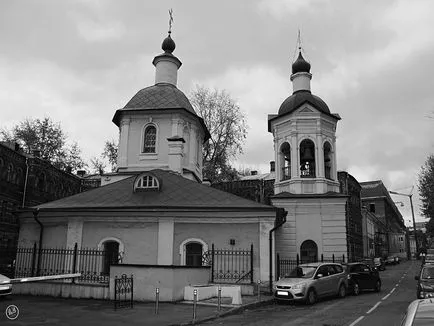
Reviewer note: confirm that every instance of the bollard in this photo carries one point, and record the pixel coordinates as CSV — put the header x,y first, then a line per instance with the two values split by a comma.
x,y
194,304
219,298
157,299
259,290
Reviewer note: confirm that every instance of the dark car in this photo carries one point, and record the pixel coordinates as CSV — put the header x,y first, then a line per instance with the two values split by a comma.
x,y
362,277
425,282
370,262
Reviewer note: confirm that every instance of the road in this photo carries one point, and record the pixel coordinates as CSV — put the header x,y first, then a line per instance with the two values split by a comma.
x,y
367,309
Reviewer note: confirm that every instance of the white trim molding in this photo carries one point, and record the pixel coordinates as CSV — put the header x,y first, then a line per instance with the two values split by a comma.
x,y
187,241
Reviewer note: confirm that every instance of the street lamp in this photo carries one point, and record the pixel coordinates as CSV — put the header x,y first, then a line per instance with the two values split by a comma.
x,y
412,214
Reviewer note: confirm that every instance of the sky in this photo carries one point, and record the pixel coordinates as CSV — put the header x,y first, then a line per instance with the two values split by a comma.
x,y
77,62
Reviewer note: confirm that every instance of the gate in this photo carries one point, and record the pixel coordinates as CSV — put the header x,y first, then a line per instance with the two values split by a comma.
x,y
124,292
230,265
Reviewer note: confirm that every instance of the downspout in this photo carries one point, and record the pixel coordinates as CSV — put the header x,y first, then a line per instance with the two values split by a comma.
x,y
41,236
280,220
25,182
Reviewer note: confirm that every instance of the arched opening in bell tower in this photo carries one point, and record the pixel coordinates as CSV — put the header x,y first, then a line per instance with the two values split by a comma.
x,y
327,161
285,161
307,159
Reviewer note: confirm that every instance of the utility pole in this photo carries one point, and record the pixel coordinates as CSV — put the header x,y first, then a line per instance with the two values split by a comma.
x,y
412,214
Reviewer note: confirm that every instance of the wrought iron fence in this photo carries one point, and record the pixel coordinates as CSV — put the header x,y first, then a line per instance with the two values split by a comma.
x,y
230,265
93,264
124,288
285,265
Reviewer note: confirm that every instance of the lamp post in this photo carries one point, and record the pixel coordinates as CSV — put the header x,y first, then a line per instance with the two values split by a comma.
x,y
412,215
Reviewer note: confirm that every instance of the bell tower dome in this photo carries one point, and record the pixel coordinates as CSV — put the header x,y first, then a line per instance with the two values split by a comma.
x,y
304,133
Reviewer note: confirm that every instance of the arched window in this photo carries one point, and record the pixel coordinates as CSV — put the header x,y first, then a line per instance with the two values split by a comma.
x,y
20,176
10,173
192,252
147,181
308,252
307,159
327,160
285,161
150,139
41,182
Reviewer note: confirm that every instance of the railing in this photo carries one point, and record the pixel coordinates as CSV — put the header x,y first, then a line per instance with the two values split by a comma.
x,y
124,288
230,265
93,264
285,265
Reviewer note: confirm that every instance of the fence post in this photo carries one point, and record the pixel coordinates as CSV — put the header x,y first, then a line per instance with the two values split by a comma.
x,y
157,299
219,298
259,290
38,268
33,259
333,257
277,267
343,258
298,260
212,263
251,263
74,261
322,258
194,304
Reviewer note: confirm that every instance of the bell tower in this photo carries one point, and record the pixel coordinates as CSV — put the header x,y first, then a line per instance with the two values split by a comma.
x,y
304,133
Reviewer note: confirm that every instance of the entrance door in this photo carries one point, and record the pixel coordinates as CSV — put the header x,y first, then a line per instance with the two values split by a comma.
x,y
308,252
193,254
111,254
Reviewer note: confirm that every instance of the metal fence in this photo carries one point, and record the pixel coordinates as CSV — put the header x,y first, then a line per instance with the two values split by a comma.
x,y
93,264
124,288
285,265
230,265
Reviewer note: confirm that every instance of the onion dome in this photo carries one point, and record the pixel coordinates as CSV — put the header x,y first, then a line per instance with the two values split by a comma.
x,y
168,45
297,99
300,65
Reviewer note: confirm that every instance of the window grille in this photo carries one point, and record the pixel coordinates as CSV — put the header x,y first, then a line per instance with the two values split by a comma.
x,y
149,140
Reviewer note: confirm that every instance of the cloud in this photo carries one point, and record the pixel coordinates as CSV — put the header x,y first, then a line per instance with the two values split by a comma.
x,y
92,31
281,8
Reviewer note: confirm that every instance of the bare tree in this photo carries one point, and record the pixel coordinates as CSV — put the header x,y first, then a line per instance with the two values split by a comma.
x,y
228,128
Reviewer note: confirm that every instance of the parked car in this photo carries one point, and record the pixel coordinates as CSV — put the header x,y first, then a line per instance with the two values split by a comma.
x,y
5,289
361,277
370,262
420,313
390,260
425,282
379,263
308,282
397,261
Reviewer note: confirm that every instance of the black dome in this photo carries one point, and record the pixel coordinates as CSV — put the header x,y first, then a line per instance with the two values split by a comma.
x,y
300,65
168,45
298,98
160,96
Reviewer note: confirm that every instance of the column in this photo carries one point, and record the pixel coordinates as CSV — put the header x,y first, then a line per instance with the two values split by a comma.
x,y
123,143
166,229
264,252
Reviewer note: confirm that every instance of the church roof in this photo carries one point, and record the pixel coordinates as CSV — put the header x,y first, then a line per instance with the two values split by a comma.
x,y
160,96
175,192
372,189
297,99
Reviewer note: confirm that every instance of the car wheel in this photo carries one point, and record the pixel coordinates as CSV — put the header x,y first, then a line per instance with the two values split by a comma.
x,y
377,286
311,297
342,291
356,289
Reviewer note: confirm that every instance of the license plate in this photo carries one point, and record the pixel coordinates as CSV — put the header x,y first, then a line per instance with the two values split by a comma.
x,y
282,293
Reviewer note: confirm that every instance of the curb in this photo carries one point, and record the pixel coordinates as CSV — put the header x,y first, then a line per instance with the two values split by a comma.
x,y
229,312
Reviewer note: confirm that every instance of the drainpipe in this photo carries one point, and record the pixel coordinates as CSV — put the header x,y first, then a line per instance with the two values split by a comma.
x,y
280,220
25,182
41,236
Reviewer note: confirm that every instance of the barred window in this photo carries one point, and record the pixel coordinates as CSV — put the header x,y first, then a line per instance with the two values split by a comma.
x,y
149,139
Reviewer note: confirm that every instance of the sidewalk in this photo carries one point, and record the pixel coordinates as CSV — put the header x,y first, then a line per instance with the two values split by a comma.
x,y
35,310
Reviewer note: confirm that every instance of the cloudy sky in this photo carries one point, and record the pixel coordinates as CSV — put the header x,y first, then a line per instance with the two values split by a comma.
x,y
77,62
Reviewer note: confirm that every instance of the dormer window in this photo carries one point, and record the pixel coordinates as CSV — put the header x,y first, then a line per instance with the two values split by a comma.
x,y
147,181
149,139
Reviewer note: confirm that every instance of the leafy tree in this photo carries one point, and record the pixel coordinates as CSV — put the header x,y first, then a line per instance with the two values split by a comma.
x,y
97,165
47,137
111,153
426,191
228,128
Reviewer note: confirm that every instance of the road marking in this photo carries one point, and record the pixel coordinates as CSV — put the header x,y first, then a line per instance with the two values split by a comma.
x,y
392,290
384,298
396,284
374,307
356,321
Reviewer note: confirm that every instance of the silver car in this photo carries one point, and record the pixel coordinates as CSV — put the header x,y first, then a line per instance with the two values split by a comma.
x,y
5,289
308,282
420,313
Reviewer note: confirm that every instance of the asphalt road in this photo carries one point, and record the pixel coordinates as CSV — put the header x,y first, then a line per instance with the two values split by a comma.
x,y
367,309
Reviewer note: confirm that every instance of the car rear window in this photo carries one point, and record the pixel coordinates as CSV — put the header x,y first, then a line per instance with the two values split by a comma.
x,y
427,272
